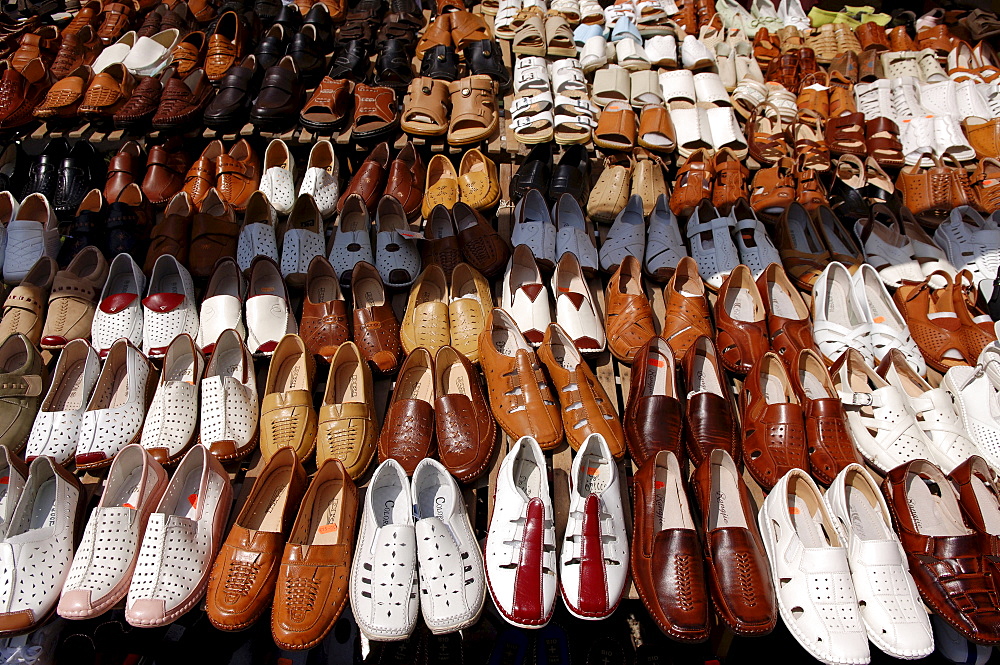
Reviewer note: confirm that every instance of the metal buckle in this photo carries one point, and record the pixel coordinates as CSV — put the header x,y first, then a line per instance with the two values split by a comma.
x,y
861,399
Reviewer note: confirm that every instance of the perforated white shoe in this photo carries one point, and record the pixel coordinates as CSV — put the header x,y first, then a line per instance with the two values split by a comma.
x,y
169,308
172,421
976,392
322,177
571,233
230,408
119,311
257,234
222,306
838,320
971,242
278,180
888,329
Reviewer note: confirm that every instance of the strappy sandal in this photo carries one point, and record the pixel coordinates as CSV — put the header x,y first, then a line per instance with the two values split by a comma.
x,y
782,99
530,73
841,95
374,111
574,120
985,183
438,33
616,128
809,143
474,115
425,107
568,9
747,96
591,12
558,37
823,43
845,134
534,128
987,63
468,28
814,94
530,37
883,142
766,133
790,39
764,49
567,78
503,22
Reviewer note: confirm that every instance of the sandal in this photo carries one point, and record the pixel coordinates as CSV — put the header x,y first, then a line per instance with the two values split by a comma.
x,y
656,132
530,37
616,129
611,84
631,55
568,9
531,73
782,99
374,111
646,88
986,185
883,142
474,115
438,33
468,28
766,134
425,107
567,78
503,22
814,95
329,105
531,129
845,134
574,121
558,37
591,12
809,143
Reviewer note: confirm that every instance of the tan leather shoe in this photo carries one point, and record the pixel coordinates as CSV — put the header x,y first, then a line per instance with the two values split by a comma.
x,y
408,428
237,174
469,305
73,299
425,322
242,581
520,393
313,579
287,417
465,429
687,316
24,309
628,316
348,427
478,182
586,407
610,194
442,185
375,328
325,325
200,176
788,323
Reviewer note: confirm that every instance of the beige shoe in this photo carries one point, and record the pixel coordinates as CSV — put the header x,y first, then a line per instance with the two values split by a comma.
x,y
470,304
24,308
441,186
348,427
648,181
610,194
478,182
73,299
287,416
425,322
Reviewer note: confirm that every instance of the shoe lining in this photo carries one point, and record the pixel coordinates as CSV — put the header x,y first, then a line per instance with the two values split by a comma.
x,y
867,522
416,382
435,496
670,503
882,311
182,369
389,503
802,238
659,380
431,291
123,282
292,374
368,293
595,474
268,510
228,361
507,342
170,283
782,304
346,383
704,375
808,517
327,507
837,309
773,382
119,387
742,305
988,505
527,476
126,493
323,288
455,380
186,500
43,508
932,515
727,509
69,393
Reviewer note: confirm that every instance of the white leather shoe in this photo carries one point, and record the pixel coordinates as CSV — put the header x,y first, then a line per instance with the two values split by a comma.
x,y
839,323
117,409
172,420
970,241
169,308
303,238
766,15
258,236
182,537
695,55
664,245
888,250
34,233
595,545
16,473
571,233
37,547
888,327
533,228
791,13
322,177
385,591
396,255
575,310
222,307
452,577
56,429
891,609
521,543
811,573
352,241
753,243
119,311
268,313
151,55
102,567
711,242
114,53
976,392
523,295
230,408
278,181
627,236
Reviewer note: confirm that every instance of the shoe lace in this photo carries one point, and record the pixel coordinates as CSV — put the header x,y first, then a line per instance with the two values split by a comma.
x,y
240,579
300,596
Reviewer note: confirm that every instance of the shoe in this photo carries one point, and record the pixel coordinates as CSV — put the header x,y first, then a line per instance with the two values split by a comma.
x,y
257,233
322,178
278,179
182,537
119,310
628,315
34,233
384,584
102,567
664,245
348,428
171,425
396,256
302,239
77,177
287,417
407,434
169,307
711,242
23,370
268,312
56,427
25,304
38,545
440,246
523,294
172,235
787,315
887,249
971,243
522,530
533,227
244,576
687,311
888,329
464,427
891,609
741,321
571,234
652,419
839,323
283,90
375,328
324,325
425,321
755,247
230,108
352,241
803,545
222,304
709,422
17,474
627,236
229,405
480,244
595,545
471,302
575,311
73,299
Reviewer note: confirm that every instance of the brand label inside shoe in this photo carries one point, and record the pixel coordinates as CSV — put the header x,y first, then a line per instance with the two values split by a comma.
x,y
723,514
387,512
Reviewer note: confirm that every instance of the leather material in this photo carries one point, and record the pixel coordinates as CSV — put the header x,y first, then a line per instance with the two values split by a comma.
x,y
329,105
348,431
124,169
741,340
280,97
375,328
405,181
788,336
709,422
287,416
629,317
231,104
165,172
687,316
652,422
407,434
465,429
369,179
480,243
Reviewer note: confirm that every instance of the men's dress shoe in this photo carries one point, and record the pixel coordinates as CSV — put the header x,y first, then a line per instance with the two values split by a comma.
x,y
222,304
741,319
183,101
302,239
425,321
406,178
22,90
571,175
950,562
107,94
471,302
273,45
245,573
75,50
73,299
77,176
138,111
375,328
128,224
166,167
32,234
803,546
23,372
521,396
189,53
201,176
789,327
119,309
56,427
521,543
229,405
87,228
592,564
231,105
114,20
977,487
653,412
172,234
171,425
319,17
407,434
237,174
308,54
287,417
125,167
534,172
628,314
893,614
169,308
708,415
739,580
350,61
268,312
38,546
802,249
214,234
43,173
666,555
25,305
687,307
464,427
775,439
586,407
225,46
348,428
481,245
322,178
452,576
369,179
257,233
324,325
102,568
182,536
281,96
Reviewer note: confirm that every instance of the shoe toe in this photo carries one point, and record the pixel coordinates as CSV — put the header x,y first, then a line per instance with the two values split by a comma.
x,y
146,612
75,603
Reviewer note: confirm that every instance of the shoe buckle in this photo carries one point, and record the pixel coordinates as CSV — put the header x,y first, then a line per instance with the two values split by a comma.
x,y
859,399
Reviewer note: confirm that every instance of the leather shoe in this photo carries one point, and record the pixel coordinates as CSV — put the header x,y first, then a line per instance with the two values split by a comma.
x,y
280,98
231,105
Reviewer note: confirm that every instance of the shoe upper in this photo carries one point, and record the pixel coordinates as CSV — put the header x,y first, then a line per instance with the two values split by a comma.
x,y
888,329
571,233
229,405
278,180
626,237
396,255
33,233
838,320
524,296
169,308
533,227
172,419
268,313
302,240
970,241
322,177
664,244
257,235
755,247
222,306
119,311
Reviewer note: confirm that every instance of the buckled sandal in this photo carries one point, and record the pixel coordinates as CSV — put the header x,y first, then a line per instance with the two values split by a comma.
x,y
425,108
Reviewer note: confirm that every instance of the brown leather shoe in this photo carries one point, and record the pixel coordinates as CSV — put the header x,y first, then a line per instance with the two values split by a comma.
x,y
225,46
471,302
666,554
741,318
324,325
708,414
329,107
406,180
729,182
788,323
125,167
183,100
201,176
520,394
368,180
693,183
407,434
63,99
287,416
481,245
242,582
348,426
73,299
115,19
172,234
440,246
945,556
87,16
977,486
139,110
189,53
214,234
375,328
237,174
653,412
801,247
108,93
465,429
20,92
75,50
166,167
686,304
739,578
311,590
774,436
586,407
24,308
628,315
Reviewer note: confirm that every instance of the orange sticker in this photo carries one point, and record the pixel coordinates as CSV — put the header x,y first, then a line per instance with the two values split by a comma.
x,y
592,470
5,480
793,510
656,362
659,484
128,505
193,500
879,319
327,528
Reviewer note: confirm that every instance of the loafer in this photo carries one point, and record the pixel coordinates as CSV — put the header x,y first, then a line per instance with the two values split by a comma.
x,y
229,404
348,428
77,177
258,235
407,434
183,101
119,308
288,419
172,419
43,173
231,105
169,308
166,167
222,304
73,299
22,369
628,316
237,174
324,324
87,228
653,413
214,234
375,328
302,239
709,422
172,234
281,96
278,179
225,46
268,312
24,308
32,234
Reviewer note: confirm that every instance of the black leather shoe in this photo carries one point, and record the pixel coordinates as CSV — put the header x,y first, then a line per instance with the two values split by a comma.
x,y
572,175
290,18
319,16
401,27
231,104
281,97
351,62
268,9
272,47
534,172
87,228
43,175
13,169
484,57
440,62
404,7
127,228
77,177
392,68
309,54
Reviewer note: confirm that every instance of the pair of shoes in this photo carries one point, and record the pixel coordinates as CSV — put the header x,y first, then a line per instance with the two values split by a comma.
x,y
550,236
460,233
321,178
438,315
235,174
395,253
475,183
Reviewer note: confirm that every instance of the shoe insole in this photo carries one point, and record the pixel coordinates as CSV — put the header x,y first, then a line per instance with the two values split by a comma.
x,y
688,286
15,360
124,282
456,380
727,509
837,244
866,518
742,306
323,289
227,285
43,508
704,376
658,378
126,493
183,370
393,221
568,358
292,374
435,499
368,293
268,283
416,382
595,474
170,284
802,239
390,505
347,383
882,311
186,501
229,362
354,221
325,514
528,477
507,342
439,226
69,394
670,504
931,514
813,385
837,308
465,289
772,383
430,291
782,304
988,504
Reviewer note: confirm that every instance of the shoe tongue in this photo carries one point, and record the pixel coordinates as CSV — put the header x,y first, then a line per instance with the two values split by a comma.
x,y
163,302
117,302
